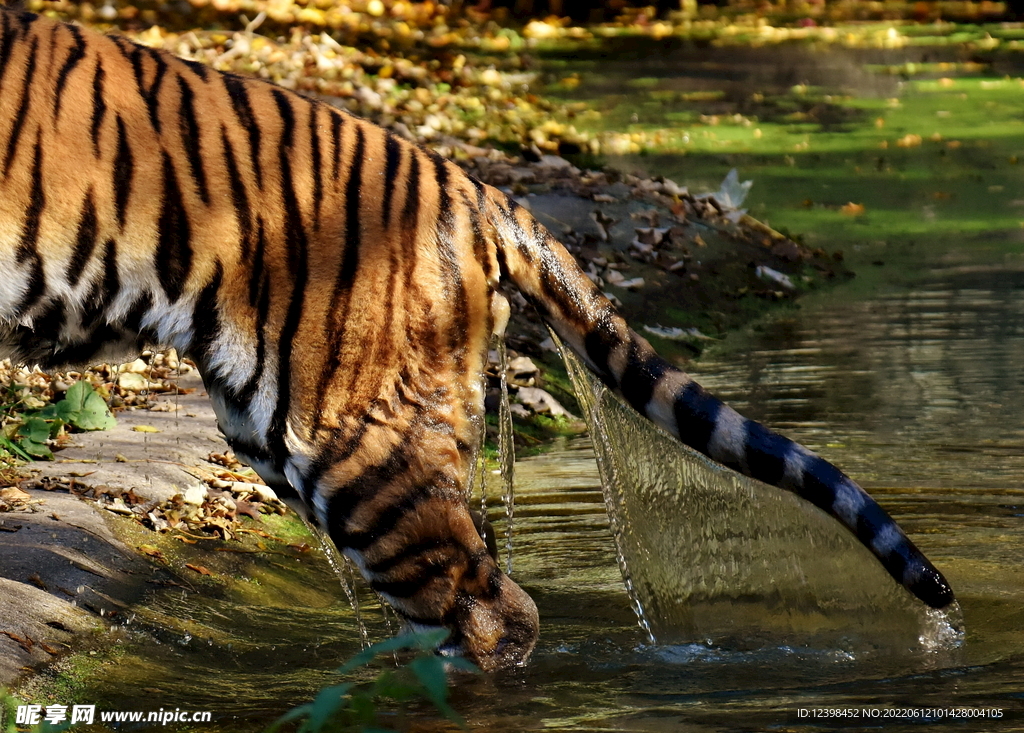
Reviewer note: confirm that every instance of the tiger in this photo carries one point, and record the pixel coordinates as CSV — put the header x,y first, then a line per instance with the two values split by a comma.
x,y
337,287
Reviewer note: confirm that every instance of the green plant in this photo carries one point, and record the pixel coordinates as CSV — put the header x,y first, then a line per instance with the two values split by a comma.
x,y
9,717
357,706
82,408
8,708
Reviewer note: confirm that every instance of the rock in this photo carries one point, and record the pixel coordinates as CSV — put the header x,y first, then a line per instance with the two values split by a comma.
x,y
196,495
542,402
774,276
49,567
614,277
518,410
522,367
651,235
635,284
554,163
37,627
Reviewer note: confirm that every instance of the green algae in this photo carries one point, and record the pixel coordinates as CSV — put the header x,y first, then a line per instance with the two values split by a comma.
x,y
925,158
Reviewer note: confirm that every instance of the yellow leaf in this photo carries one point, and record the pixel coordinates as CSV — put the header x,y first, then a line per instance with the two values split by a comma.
x,y
14,494
145,429
852,209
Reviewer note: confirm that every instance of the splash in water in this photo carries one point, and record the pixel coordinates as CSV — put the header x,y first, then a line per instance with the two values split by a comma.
x,y
712,556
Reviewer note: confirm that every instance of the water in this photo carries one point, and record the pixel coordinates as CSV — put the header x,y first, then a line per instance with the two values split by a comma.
x,y
915,391
919,394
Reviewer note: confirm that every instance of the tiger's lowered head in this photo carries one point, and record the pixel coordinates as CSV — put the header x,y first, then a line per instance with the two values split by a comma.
x,y
336,286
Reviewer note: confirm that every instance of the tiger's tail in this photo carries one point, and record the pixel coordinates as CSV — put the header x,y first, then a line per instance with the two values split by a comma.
x,y
584,318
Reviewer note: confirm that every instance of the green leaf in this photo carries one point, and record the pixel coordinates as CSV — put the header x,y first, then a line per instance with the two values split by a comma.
x,y
326,705
357,706
85,409
49,413
37,450
11,447
421,640
35,430
430,671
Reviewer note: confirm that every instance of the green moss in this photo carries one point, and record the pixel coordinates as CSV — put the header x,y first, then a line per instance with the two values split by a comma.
x,y
270,559
66,679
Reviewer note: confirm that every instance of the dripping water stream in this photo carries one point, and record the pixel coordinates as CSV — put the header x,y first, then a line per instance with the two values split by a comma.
x,y
347,578
506,454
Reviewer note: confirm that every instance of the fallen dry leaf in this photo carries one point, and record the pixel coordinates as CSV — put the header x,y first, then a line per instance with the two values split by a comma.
x,y
247,508
14,495
852,209
152,551
198,568
23,641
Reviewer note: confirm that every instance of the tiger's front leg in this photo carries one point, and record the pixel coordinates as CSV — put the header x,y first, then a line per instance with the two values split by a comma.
x,y
390,491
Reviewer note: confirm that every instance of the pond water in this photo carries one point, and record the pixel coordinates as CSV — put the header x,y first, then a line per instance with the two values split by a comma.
x,y
917,392
912,381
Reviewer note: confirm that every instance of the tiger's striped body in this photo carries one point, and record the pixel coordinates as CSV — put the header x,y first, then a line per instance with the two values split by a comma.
x,y
336,287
